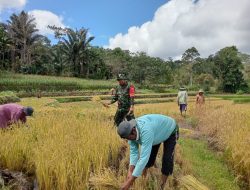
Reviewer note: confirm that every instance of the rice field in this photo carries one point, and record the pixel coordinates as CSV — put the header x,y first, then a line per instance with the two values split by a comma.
x,y
33,83
70,146
227,126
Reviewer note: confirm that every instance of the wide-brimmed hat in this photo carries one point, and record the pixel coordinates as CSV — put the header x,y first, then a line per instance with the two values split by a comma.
x,y
122,76
182,88
125,128
201,91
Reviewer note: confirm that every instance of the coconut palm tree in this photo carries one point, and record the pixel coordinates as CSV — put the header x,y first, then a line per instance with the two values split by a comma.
x,y
23,32
75,45
5,44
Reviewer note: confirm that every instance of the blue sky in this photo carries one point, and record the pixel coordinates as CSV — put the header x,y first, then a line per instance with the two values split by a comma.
x,y
104,18
160,28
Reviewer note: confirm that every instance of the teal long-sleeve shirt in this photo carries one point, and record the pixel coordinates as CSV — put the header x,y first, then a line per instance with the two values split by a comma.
x,y
153,129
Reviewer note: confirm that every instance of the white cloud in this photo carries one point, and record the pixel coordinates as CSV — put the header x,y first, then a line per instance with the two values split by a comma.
x,y
6,4
209,25
45,18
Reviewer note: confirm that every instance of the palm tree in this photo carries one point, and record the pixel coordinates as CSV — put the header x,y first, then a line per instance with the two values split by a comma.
x,y
22,30
75,47
58,59
5,44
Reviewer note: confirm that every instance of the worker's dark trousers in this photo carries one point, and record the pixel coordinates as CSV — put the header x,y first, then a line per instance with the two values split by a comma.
x,y
168,155
121,115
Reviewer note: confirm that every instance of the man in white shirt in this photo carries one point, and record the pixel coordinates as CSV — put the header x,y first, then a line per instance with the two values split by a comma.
x,y
182,100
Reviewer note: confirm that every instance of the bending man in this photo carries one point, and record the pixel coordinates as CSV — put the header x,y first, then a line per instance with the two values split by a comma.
x,y
149,131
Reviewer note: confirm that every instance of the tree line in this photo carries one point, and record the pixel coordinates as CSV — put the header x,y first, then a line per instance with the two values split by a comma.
x,y
24,50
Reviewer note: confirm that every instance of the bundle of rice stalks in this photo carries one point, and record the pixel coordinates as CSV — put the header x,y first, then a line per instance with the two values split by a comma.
x,y
189,182
96,99
105,179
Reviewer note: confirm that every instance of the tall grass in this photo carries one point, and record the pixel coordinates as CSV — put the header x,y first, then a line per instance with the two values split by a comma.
x,y
61,146
19,82
228,127
66,143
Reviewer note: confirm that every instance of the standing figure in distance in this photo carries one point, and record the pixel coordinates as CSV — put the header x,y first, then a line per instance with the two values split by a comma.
x,y
200,98
182,100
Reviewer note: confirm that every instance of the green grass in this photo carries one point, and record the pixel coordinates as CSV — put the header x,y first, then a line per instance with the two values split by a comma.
x,y
230,97
8,97
208,167
239,99
73,99
27,83
153,101
89,98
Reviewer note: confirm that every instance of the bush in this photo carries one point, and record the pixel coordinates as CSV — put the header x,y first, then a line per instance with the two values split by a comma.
x,y
8,97
240,92
205,81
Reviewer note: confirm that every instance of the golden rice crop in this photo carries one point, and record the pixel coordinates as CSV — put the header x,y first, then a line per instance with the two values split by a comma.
x,y
61,145
96,99
105,179
228,127
66,144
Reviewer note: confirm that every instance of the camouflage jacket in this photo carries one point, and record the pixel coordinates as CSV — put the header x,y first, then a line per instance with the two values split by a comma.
x,y
124,95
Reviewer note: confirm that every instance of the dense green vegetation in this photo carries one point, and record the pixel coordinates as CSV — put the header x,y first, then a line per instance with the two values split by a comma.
x,y
23,50
235,98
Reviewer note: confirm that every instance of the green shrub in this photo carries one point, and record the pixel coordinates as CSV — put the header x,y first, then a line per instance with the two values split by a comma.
x,y
240,92
8,97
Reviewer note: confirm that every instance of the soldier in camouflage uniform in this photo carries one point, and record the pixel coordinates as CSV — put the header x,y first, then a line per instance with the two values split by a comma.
x,y
124,95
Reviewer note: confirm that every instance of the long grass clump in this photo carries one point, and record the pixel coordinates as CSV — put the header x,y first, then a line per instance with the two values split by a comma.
x,y
227,127
61,146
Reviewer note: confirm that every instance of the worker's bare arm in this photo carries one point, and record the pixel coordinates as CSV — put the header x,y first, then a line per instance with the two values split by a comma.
x,y
126,185
130,171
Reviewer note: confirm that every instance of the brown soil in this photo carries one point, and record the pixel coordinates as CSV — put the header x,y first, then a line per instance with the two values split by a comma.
x,y
17,180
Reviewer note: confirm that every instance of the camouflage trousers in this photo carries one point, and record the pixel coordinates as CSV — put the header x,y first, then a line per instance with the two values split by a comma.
x,y
121,115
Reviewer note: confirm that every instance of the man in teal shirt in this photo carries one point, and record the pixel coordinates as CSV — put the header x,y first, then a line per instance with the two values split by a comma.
x,y
149,131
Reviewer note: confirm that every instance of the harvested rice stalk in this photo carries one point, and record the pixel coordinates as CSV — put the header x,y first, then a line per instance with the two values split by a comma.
x,y
99,100
104,179
96,99
189,182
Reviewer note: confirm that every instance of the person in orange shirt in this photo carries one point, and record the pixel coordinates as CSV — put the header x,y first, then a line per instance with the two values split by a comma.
x,y
200,98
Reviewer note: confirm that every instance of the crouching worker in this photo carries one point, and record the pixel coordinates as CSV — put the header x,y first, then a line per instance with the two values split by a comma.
x,y
149,131
13,113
